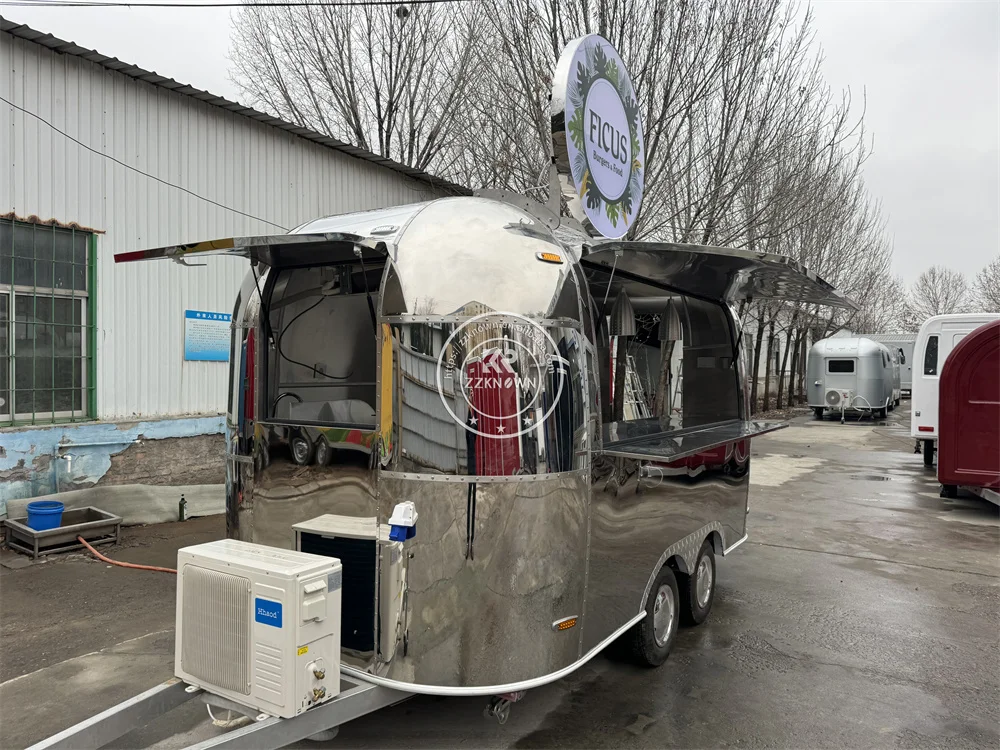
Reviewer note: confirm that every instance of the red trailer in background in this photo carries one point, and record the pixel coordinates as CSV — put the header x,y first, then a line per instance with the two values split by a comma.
x,y
969,430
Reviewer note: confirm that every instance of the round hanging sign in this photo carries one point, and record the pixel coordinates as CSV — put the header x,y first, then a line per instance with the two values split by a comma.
x,y
597,137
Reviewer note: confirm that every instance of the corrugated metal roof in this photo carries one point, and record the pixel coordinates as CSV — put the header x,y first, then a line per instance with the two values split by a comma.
x,y
134,71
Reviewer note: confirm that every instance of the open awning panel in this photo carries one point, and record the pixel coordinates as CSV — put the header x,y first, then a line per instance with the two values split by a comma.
x,y
274,250
715,273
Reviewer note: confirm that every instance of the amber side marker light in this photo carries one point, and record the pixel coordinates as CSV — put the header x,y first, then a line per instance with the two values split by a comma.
x,y
564,624
549,257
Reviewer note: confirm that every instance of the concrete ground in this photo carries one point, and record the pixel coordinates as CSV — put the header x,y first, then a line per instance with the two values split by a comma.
x,y
863,612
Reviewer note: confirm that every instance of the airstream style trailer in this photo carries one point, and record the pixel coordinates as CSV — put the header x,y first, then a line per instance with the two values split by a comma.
x,y
935,341
852,375
565,418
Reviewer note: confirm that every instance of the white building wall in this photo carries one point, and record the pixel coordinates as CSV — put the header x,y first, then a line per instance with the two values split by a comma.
x,y
278,179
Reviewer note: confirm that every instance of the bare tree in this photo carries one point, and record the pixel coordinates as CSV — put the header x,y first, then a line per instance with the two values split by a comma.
x,y
390,80
937,291
746,144
986,287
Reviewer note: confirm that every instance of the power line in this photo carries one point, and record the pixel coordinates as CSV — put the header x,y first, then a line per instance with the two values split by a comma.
x,y
139,171
251,4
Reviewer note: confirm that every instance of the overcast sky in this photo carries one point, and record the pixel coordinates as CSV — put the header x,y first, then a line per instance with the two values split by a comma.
x,y
930,72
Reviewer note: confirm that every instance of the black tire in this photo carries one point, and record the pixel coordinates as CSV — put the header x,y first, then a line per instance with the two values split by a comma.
x,y
818,412
881,413
949,491
647,650
302,450
898,400
694,606
323,452
928,447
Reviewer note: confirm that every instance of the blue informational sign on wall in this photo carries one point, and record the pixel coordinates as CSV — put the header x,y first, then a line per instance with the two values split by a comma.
x,y
206,336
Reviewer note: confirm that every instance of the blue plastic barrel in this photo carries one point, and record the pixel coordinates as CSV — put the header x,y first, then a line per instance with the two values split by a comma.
x,y
45,514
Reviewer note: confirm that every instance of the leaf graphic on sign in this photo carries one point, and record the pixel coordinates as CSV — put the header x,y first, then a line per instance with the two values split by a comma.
x,y
611,209
576,129
612,73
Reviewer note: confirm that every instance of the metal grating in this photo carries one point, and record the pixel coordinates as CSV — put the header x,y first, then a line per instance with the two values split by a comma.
x,y
359,560
216,622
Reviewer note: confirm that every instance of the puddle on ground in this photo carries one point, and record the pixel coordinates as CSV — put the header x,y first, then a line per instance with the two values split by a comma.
x,y
871,477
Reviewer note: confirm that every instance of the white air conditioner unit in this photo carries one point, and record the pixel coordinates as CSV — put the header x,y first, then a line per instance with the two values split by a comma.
x,y
259,625
838,398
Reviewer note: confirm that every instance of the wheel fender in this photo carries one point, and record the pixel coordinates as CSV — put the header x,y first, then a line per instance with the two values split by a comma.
x,y
685,554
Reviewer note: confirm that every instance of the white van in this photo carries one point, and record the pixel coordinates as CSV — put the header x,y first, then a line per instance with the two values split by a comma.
x,y
937,337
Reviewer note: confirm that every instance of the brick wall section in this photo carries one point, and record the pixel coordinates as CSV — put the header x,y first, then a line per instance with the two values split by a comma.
x,y
171,461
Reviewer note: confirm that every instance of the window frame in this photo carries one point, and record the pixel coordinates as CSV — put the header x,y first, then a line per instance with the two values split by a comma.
x,y
87,328
852,371
937,355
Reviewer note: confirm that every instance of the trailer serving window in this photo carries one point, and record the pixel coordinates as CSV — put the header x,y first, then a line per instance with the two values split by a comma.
x,y
678,370
840,366
488,395
322,361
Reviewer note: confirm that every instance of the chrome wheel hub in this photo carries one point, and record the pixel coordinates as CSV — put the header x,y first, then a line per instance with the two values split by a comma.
x,y
301,450
663,615
704,580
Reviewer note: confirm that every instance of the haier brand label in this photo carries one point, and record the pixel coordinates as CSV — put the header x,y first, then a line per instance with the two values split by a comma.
x,y
267,612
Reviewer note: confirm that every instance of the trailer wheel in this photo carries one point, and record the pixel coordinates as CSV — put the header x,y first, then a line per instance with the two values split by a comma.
x,y
323,452
881,413
818,412
654,634
698,589
949,491
302,450
928,453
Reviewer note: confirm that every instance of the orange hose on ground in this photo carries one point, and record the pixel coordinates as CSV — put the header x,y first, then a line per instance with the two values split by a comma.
x,y
99,556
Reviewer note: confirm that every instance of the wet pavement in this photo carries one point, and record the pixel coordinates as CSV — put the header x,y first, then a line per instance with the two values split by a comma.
x,y
864,611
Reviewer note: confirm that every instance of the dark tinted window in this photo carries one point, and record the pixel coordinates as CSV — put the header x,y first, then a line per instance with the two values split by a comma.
x,y
931,356
840,365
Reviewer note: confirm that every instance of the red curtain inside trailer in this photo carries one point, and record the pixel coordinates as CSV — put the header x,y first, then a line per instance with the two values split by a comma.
x,y
493,395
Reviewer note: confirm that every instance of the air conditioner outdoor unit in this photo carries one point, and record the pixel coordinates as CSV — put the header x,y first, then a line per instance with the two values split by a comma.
x,y
259,625
837,398
375,584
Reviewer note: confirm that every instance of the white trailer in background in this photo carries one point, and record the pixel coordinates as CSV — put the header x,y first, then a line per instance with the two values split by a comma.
x,y
902,345
937,337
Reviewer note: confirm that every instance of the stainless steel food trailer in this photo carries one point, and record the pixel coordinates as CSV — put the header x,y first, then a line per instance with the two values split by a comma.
x,y
856,375
523,442
458,354
568,416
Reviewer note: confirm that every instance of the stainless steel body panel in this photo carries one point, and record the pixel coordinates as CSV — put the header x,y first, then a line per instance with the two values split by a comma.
x,y
640,518
545,513
486,580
